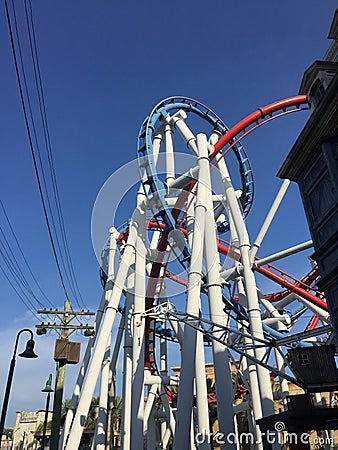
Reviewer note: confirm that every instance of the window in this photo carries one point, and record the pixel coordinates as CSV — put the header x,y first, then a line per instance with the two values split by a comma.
x,y
317,92
303,359
322,197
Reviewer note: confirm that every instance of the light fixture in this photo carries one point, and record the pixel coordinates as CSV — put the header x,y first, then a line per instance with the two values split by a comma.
x,y
29,351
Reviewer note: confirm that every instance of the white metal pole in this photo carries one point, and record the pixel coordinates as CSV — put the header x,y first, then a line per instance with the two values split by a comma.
x,y
251,291
323,315
169,153
112,382
99,439
249,369
252,377
168,411
267,222
223,379
283,253
98,354
148,407
178,122
185,392
137,406
126,423
250,286
203,425
86,358
201,388
284,386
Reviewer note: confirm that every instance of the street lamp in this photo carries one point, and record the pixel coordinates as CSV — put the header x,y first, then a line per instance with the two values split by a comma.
x,y
28,353
48,389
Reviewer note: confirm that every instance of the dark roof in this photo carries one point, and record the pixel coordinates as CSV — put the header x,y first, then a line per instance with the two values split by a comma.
x,y
311,73
322,123
333,33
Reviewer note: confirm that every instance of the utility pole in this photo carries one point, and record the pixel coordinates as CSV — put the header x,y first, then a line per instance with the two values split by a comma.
x,y
64,329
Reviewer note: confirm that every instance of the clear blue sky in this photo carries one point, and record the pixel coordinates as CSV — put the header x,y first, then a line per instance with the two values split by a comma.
x,y
104,65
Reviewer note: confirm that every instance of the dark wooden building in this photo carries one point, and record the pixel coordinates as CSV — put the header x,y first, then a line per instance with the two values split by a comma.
x,y
313,164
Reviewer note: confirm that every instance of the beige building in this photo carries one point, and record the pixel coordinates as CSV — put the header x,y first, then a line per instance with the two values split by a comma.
x,y
25,428
6,443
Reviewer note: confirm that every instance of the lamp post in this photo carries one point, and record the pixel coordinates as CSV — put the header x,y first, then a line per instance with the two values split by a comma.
x,y
48,389
28,353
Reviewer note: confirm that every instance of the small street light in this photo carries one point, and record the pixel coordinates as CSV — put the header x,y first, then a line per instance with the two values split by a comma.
x,y
28,353
48,389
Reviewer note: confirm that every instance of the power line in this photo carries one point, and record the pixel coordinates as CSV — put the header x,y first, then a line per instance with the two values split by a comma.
x,y
22,254
12,263
18,294
43,113
32,149
29,306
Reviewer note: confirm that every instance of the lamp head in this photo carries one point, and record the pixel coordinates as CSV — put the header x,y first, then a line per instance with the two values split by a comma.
x,y
48,387
29,352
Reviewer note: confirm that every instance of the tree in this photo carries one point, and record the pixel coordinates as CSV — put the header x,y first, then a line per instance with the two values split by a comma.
x,y
92,413
117,413
8,432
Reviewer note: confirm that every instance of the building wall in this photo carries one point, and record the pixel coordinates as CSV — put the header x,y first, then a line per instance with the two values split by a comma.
x,y
6,444
313,164
25,428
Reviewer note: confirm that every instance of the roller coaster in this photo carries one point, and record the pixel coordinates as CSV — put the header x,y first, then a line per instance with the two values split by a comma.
x,y
182,272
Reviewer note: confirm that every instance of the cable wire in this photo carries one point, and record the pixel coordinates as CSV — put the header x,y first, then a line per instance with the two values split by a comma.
x,y
32,149
43,114
19,287
12,263
22,254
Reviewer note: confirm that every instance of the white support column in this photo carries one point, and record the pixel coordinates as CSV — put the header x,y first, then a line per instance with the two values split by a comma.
x,y
90,345
99,439
252,377
81,377
177,330
169,154
250,285
126,423
178,122
98,354
137,405
251,290
223,378
168,411
185,392
284,387
203,425
283,254
148,407
201,388
249,369
323,315
267,222
112,381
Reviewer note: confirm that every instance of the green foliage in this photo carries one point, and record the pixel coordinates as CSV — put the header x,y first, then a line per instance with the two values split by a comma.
x,y
39,428
65,407
8,432
117,412
92,413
